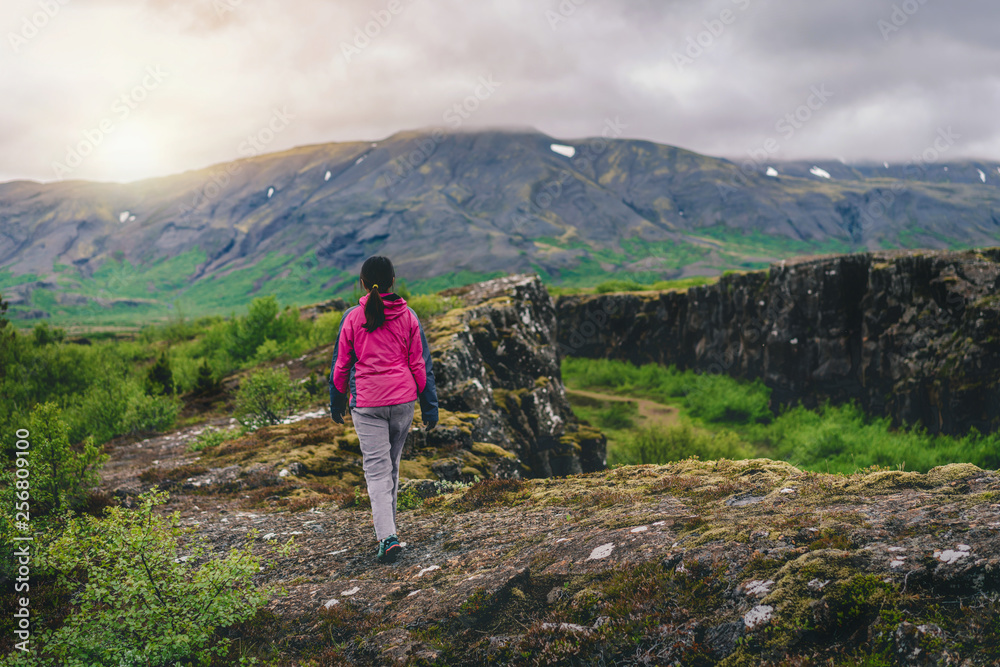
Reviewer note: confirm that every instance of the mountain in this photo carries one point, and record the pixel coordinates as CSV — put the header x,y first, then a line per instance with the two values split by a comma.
x,y
451,208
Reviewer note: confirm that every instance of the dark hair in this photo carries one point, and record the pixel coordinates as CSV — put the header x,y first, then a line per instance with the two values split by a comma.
x,y
377,274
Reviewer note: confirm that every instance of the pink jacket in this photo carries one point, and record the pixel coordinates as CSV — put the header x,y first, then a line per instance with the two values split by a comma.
x,y
389,366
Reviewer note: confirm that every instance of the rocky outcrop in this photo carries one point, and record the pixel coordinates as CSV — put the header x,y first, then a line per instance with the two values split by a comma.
x,y
496,366
911,335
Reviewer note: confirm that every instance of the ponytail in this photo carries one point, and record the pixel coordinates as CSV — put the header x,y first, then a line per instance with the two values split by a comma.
x,y
374,310
374,272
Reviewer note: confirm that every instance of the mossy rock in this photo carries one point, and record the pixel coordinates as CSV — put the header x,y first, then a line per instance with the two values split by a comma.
x,y
491,450
791,596
509,399
887,481
416,469
952,472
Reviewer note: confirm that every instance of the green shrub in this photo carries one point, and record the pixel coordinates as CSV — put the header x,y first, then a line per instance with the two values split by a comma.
x,y
141,598
325,329
619,286
618,415
159,378
409,500
245,335
267,397
211,437
60,476
43,335
205,383
151,414
267,351
721,399
429,305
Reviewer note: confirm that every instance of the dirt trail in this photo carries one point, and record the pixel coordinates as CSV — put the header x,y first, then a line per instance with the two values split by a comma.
x,y
652,412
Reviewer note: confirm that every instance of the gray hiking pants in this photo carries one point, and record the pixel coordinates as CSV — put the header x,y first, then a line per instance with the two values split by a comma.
x,y
382,432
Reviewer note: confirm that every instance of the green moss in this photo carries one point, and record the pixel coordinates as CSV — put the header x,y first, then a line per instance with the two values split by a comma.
x,y
491,450
952,473
416,469
509,400
887,481
791,596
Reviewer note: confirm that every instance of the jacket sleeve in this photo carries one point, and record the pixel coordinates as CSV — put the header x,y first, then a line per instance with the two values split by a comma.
x,y
415,355
340,367
428,397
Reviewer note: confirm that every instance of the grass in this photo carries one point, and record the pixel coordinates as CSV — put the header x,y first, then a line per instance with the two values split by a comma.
x,y
166,285
725,418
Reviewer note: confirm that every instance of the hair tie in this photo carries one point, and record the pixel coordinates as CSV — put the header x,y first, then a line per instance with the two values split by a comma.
x,y
375,287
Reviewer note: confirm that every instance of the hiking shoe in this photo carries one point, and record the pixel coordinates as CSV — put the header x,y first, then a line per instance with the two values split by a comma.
x,y
389,550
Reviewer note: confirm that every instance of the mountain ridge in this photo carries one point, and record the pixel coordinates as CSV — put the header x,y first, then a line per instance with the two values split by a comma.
x,y
461,206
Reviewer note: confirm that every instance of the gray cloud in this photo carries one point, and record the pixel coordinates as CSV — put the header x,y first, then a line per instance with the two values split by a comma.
x,y
564,66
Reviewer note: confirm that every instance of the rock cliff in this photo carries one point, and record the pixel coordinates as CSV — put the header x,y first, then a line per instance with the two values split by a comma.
x,y
914,335
495,361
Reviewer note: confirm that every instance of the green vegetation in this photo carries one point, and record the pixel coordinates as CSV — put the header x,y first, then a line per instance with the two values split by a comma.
x,y
628,285
169,594
267,397
106,387
212,437
725,418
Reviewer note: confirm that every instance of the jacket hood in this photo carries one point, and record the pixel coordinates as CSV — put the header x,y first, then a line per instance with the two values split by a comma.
x,y
394,307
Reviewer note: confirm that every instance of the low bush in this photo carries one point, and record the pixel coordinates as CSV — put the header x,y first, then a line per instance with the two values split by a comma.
x,y
151,414
267,397
618,415
211,437
140,597
61,477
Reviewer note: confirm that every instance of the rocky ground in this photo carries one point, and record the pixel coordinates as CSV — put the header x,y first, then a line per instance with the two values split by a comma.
x,y
549,558
693,563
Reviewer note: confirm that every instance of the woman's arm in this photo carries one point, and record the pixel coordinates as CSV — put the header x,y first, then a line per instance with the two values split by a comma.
x,y
343,362
428,395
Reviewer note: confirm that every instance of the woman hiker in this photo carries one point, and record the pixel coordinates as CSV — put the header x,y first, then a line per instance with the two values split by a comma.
x,y
382,363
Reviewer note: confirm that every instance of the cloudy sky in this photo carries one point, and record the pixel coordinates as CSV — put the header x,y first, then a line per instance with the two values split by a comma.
x,y
125,89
